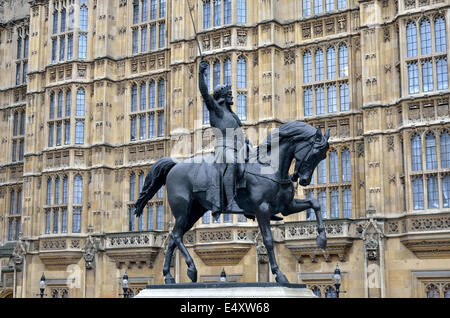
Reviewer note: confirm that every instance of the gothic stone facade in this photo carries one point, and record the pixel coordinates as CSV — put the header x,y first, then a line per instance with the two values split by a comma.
x,y
93,92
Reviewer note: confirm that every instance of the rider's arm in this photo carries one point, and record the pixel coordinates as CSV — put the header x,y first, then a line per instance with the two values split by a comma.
x,y
209,101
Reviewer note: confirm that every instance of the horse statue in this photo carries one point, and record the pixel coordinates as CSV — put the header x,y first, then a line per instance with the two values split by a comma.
x,y
264,194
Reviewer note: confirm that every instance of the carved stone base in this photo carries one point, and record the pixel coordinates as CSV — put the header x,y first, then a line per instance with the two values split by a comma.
x,y
214,255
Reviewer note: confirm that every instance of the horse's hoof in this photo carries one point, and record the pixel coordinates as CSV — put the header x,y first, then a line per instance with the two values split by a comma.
x,y
192,274
281,279
169,280
322,241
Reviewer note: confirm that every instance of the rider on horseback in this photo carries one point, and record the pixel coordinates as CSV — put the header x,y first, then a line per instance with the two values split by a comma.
x,y
230,141
229,138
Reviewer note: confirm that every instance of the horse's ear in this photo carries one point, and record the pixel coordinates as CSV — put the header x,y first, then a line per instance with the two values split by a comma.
x,y
327,134
318,132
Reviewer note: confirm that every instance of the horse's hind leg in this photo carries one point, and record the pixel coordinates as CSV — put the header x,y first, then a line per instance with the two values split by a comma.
x,y
184,221
166,269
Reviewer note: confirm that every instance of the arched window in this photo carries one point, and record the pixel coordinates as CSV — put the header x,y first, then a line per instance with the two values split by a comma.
x,y
413,78
49,191
79,132
444,139
63,20
153,7
141,181
446,191
82,45
227,72
19,202
322,172
226,11
333,161
241,11
433,291
320,100
411,39
144,13
331,97
427,76
132,187
441,73
68,102
432,192
217,12
206,14
83,17
143,96
317,6
447,291
341,4
334,204
133,128
329,5
331,63
60,104
307,101
418,193
216,74
134,98
12,199
346,166
330,292
241,73
306,8
161,93
162,8
347,203
151,94
80,107
430,151
15,123
78,190
343,61
162,35
150,218
71,19
322,198
307,67
242,107
142,126
440,35
56,191
425,37
52,105
65,193
151,125
416,153
159,217
344,97
318,56
55,22
135,11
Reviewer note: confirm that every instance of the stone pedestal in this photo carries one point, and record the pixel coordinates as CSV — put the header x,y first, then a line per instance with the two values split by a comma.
x,y
227,290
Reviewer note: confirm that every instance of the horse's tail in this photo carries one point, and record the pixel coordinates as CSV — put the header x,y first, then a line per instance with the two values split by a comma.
x,y
155,179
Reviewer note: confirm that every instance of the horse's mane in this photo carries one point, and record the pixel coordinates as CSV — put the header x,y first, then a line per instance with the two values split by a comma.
x,y
297,130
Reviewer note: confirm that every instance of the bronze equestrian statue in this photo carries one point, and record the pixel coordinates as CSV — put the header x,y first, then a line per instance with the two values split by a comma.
x,y
192,184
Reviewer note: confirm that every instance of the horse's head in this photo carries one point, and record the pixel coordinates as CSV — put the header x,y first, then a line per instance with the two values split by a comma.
x,y
308,156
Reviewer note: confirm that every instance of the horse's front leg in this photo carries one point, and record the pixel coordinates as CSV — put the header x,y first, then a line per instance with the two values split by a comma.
x,y
263,216
298,205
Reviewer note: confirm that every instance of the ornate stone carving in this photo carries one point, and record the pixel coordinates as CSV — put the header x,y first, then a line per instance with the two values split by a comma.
x,y
89,251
